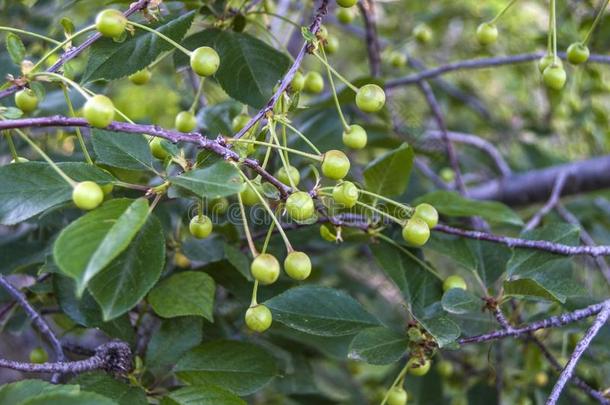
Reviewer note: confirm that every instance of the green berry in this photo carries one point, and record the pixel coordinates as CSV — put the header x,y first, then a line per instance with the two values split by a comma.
x,y
297,265
444,368
332,44
140,77
397,396
265,268
185,121
99,111
218,206
398,59
298,82
541,379
327,234
416,232
300,206
345,15
249,196
314,82
258,318
239,122
87,195
200,226
547,61
418,369
39,356
370,98
578,53
422,33
335,165
554,77
205,61
26,100
346,194
157,149
346,3
322,33
110,23
487,33
447,174
355,137
428,213
454,282
285,176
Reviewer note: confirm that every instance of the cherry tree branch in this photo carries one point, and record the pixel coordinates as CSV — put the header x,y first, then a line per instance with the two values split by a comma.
x,y
550,204
367,9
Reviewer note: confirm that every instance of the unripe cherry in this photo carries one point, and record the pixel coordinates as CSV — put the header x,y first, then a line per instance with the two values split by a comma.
x,y
314,83
298,82
26,100
99,111
346,194
205,61
346,3
300,206
157,149
265,268
397,396
185,121
335,165
454,282
578,53
110,23
487,33
297,265
416,232
554,77
370,98
292,173
140,77
201,226
428,213
355,137
87,195
258,318
418,369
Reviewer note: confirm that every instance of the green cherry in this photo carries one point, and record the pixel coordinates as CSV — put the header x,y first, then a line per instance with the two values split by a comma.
x,y
99,111
554,77
418,369
370,98
249,196
541,378
110,23
487,33
454,282
578,53
265,268
398,59
547,61
185,121
335,165
205,61
397,396
327,234
345,15
297,265
87,195
444,368
428,213
300,206
298,82
355,137
314,83
157,149
422,33
39,356
285,176
140,77
239,122
346,194
346,3
200,226
322,33
332,44
26,100
416,232
258,318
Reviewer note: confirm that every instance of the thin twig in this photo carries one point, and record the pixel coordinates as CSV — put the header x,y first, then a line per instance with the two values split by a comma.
x,y
367,9
550,204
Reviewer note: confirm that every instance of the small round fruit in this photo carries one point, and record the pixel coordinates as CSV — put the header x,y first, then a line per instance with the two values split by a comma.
x,y
249,196
454,282
416,232
99,111
541,379
157,149
422,33
578,53
297,265
314,82
298,82
355,137
332,44
181,260
185,121
140,77
285,176
345,15
265,268
300,206
445,368
370,98
258,318
418,369
447,174
346,194
205,61
428,213
398,59
239,122
487,33
547,61
26,100
87,195
327,234
110,23
201,226
335,165
397,396
39,356
346,3
554,77
322,32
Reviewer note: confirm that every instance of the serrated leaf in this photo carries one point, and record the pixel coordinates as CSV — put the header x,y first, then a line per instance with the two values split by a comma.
x,y
334,314
112,60
239,367
122,150
221,179
204,394
378,345
182,294
388,175
458,301
91,242
15,48
174,337
442,328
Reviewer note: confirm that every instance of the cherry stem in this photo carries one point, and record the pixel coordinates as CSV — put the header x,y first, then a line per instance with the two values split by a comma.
x,y
254,300
410,210
504,10
79,135
197,96
398,378
61,45
282,157
242,210
408,253
65,80
296,152
598,18
33,34
339,76
200,208
300,134
11,146
121,113
162,36
553,30
334,92
268,237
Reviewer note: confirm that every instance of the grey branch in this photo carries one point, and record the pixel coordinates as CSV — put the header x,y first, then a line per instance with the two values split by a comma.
x,y
367,9
550,204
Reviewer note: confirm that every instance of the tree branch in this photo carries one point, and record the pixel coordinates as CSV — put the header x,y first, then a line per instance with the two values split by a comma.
x,y
367,9
550,204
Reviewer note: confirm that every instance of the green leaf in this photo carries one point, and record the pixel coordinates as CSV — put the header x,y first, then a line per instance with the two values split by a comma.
x,y
452,204
112,60
204,394
91,242
320,311
239,367
79,398
528,288
15,48
122,150
458,301
128,278
553,280
218,180
103,384
249,68
174,337
17,392
186,293
27,189
442,329
388,175
378,345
